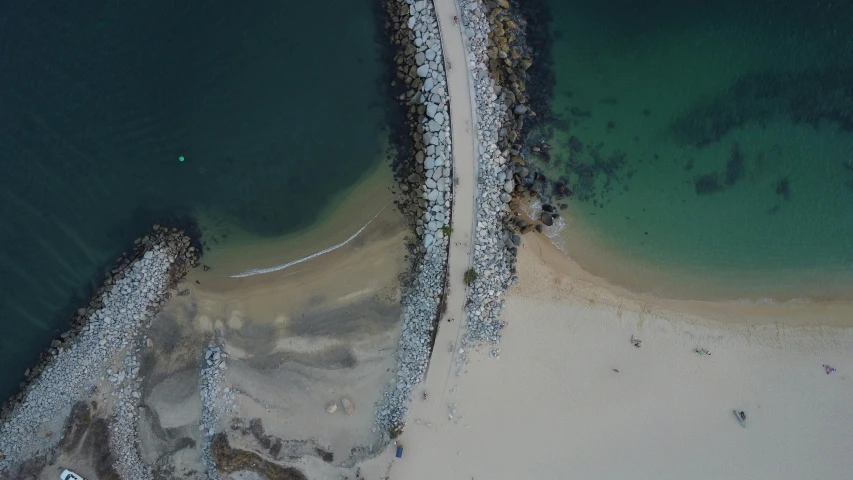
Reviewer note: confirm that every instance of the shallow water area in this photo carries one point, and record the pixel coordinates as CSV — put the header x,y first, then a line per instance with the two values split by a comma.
x,y
706,147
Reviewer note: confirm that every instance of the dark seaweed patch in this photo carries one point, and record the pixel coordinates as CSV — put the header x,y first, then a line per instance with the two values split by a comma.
x,y
707,184
783,188
735,166
807,96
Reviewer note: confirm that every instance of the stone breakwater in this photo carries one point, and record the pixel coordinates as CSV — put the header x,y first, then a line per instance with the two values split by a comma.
x,y
215,400
426,193
495,245
99,356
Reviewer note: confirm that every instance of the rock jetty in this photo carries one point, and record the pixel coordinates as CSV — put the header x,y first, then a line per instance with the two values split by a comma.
x,y
99,354
426,183
213,396
495,246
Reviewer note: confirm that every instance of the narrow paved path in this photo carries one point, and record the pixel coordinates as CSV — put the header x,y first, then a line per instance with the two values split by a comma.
x,y
463,130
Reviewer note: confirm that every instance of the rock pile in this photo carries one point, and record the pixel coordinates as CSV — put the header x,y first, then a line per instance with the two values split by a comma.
x,y
124,430
213,396
427,190
494,246
427,186
101,336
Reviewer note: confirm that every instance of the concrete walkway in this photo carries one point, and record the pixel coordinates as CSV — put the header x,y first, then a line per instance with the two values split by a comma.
x,y
463,130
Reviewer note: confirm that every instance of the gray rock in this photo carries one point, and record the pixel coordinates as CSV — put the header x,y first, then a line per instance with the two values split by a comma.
x,y
431,109
423,71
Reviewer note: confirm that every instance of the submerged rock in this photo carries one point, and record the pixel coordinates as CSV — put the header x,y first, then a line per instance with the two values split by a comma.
x,y
349,407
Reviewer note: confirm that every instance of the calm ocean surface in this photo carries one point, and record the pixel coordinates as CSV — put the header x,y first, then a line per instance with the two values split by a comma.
x,y
708,145
275,107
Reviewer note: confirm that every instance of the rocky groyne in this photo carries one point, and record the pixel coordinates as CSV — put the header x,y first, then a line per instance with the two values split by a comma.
x,y
500,113
426,187
215,399
99,357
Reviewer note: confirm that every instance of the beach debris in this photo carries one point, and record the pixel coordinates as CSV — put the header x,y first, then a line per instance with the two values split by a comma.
x,y
332,407
636,341
616,370
349,407
701,351
425,394
829,369
741,417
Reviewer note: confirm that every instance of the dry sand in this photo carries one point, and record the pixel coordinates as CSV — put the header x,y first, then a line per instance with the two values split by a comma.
x,y
552,406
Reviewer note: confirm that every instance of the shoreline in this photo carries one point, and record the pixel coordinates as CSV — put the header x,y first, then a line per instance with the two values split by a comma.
x,y
350,210
832,314
604,260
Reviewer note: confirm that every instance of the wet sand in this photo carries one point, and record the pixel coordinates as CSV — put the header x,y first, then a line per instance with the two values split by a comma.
x,y
575,279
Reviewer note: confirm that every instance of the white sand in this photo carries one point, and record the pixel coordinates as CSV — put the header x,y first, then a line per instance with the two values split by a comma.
x,y
552,407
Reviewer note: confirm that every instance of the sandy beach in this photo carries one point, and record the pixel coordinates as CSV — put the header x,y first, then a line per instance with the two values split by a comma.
x,y
553,406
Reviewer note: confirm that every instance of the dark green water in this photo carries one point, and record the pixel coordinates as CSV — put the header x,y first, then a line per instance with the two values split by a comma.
x,y
708,145
275,107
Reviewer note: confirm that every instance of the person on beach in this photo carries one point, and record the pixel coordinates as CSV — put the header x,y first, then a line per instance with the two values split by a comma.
x,y
829,369
742,415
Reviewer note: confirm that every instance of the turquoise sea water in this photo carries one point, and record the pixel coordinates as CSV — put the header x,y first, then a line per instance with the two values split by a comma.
x,y
275,107
708,146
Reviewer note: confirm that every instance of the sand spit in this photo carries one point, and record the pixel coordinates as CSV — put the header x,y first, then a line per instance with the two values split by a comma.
x,y
97,360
